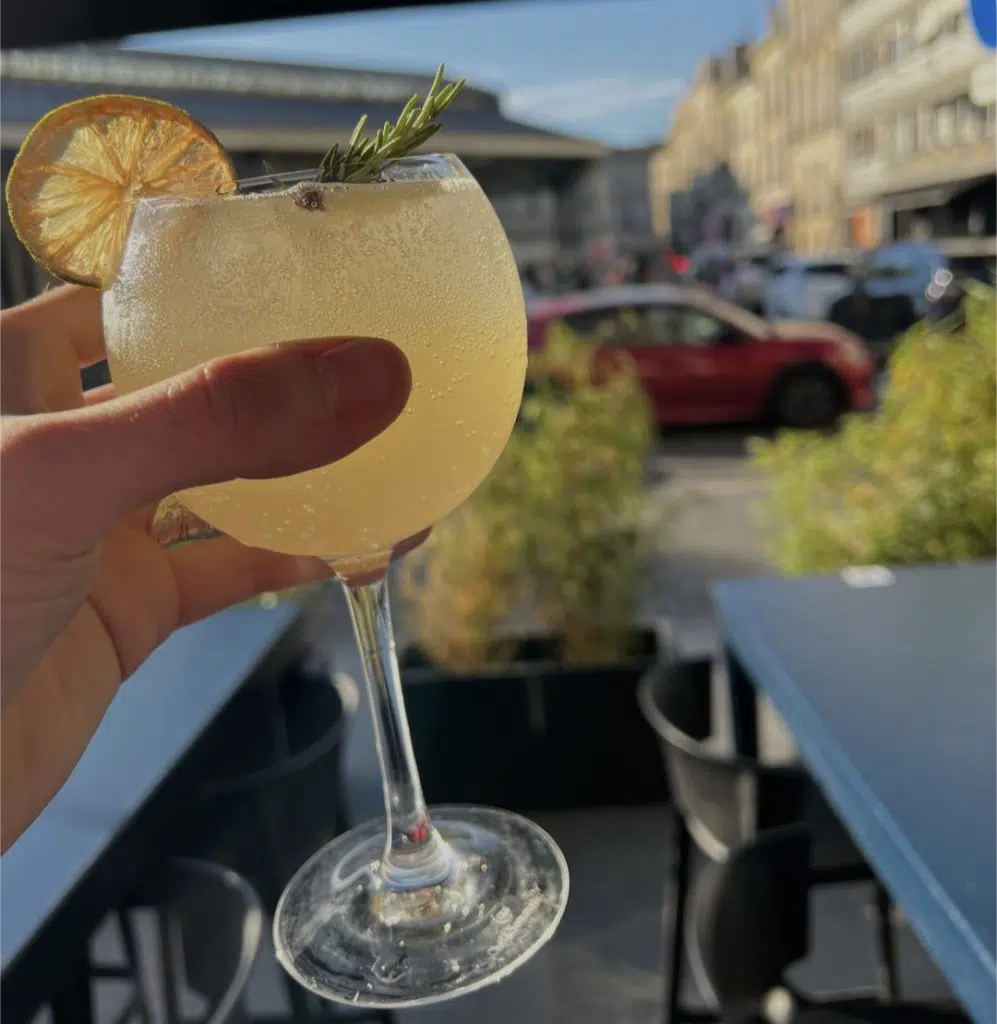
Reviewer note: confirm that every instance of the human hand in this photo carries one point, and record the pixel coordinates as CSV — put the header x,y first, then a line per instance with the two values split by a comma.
x,y
87,591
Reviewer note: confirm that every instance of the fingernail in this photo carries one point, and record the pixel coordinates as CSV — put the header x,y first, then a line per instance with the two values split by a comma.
x,y
371,375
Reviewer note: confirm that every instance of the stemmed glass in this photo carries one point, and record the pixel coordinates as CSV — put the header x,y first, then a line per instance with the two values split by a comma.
x,y
415,908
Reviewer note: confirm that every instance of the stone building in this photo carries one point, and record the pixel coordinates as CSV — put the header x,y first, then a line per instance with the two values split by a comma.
x,y
814,135
919,117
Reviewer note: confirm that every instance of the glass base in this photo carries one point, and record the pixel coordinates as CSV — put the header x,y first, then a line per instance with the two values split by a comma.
x,y
346,937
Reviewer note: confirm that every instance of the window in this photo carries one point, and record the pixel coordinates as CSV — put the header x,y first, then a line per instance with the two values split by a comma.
x,y
603,325
700,330
627,325
862,143
888,266
819,270
903,134
969,118
945,125
925,128
662,325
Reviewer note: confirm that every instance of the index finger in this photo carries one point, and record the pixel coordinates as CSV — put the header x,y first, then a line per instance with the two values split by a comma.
x,y
70,309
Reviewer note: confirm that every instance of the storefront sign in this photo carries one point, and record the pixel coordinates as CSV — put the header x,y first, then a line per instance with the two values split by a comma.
x,y
983,14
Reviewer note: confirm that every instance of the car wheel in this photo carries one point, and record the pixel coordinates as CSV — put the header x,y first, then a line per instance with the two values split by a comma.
x,y
808,400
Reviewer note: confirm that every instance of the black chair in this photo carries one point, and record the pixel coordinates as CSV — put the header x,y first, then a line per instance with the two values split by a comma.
x,y
723,799
275,798
209,925
752,922
277,795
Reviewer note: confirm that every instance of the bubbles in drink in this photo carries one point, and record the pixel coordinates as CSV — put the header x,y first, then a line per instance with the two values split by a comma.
x,y
423,263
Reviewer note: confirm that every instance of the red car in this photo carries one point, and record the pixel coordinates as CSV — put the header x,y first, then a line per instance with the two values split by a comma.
x,y
703,360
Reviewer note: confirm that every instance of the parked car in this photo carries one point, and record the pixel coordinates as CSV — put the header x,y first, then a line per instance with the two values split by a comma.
x,y
902,269
805,287
703,360
751,273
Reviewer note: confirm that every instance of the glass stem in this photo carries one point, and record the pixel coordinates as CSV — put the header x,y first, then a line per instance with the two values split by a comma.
x,y
415,856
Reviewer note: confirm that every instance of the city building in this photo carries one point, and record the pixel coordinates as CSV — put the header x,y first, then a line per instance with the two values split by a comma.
x,y
628,173
772,194
814,135
286,117
918,110
694,188
743,130
662,176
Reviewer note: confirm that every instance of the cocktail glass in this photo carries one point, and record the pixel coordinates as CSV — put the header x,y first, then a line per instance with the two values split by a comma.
x,y
414,908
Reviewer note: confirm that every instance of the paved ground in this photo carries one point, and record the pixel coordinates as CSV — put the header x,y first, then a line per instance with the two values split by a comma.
x,y
704,477
603,965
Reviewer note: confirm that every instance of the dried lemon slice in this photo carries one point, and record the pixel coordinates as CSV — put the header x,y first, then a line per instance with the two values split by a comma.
x,y
75,181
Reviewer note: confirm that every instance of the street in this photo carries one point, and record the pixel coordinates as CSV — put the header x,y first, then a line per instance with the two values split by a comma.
x,y
704,478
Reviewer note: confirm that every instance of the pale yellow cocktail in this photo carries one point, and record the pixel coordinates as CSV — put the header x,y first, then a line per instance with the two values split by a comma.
x,y
131,195
423,263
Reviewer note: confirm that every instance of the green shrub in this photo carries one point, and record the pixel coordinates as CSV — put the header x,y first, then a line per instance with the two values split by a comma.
x,y
559,536
915,481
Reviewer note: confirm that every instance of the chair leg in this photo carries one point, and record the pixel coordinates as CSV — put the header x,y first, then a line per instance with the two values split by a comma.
x,y
143,1002
674,929
73,1004
889,983
168,965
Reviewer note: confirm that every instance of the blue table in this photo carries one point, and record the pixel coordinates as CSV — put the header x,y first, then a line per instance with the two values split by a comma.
x,y
889,691
86,849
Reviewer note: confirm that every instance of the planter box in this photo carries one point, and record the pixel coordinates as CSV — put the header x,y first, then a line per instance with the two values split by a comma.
x,y
535,734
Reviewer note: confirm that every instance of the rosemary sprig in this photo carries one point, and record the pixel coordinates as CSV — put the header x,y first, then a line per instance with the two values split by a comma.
x,y
364,156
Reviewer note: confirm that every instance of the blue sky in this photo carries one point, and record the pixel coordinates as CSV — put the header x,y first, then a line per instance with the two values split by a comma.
x,y
609,69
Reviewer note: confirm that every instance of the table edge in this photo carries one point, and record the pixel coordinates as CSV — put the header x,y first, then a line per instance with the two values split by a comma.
x,y
899,866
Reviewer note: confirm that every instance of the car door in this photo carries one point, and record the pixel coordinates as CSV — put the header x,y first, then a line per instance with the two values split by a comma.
x,y
693,363
646,333
718,368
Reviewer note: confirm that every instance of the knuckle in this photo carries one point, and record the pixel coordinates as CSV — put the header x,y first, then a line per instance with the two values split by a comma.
x,y
208,402
38,462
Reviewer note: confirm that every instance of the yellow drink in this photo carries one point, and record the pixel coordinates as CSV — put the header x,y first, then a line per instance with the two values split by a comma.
x,y
423,263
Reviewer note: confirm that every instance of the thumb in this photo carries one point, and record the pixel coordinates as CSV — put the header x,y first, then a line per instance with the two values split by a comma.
x,y
263,413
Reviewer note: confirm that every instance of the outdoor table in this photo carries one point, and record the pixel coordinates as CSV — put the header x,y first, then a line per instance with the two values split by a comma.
x,y
90,845
886,679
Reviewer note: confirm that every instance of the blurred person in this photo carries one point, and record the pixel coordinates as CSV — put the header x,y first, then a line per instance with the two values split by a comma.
x,y
645,270
728,280
532,286
89,589
751,274
581,278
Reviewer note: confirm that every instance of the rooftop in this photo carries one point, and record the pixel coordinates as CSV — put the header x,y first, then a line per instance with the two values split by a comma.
x,y
256,105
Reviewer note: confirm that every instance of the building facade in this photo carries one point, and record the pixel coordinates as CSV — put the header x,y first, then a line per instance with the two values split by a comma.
x,y
814,134
661,176
919,117
744,131
628,174
697,194
772,193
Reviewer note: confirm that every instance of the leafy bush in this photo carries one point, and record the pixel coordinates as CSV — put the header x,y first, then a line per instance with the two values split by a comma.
x,y
559,535
915,481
